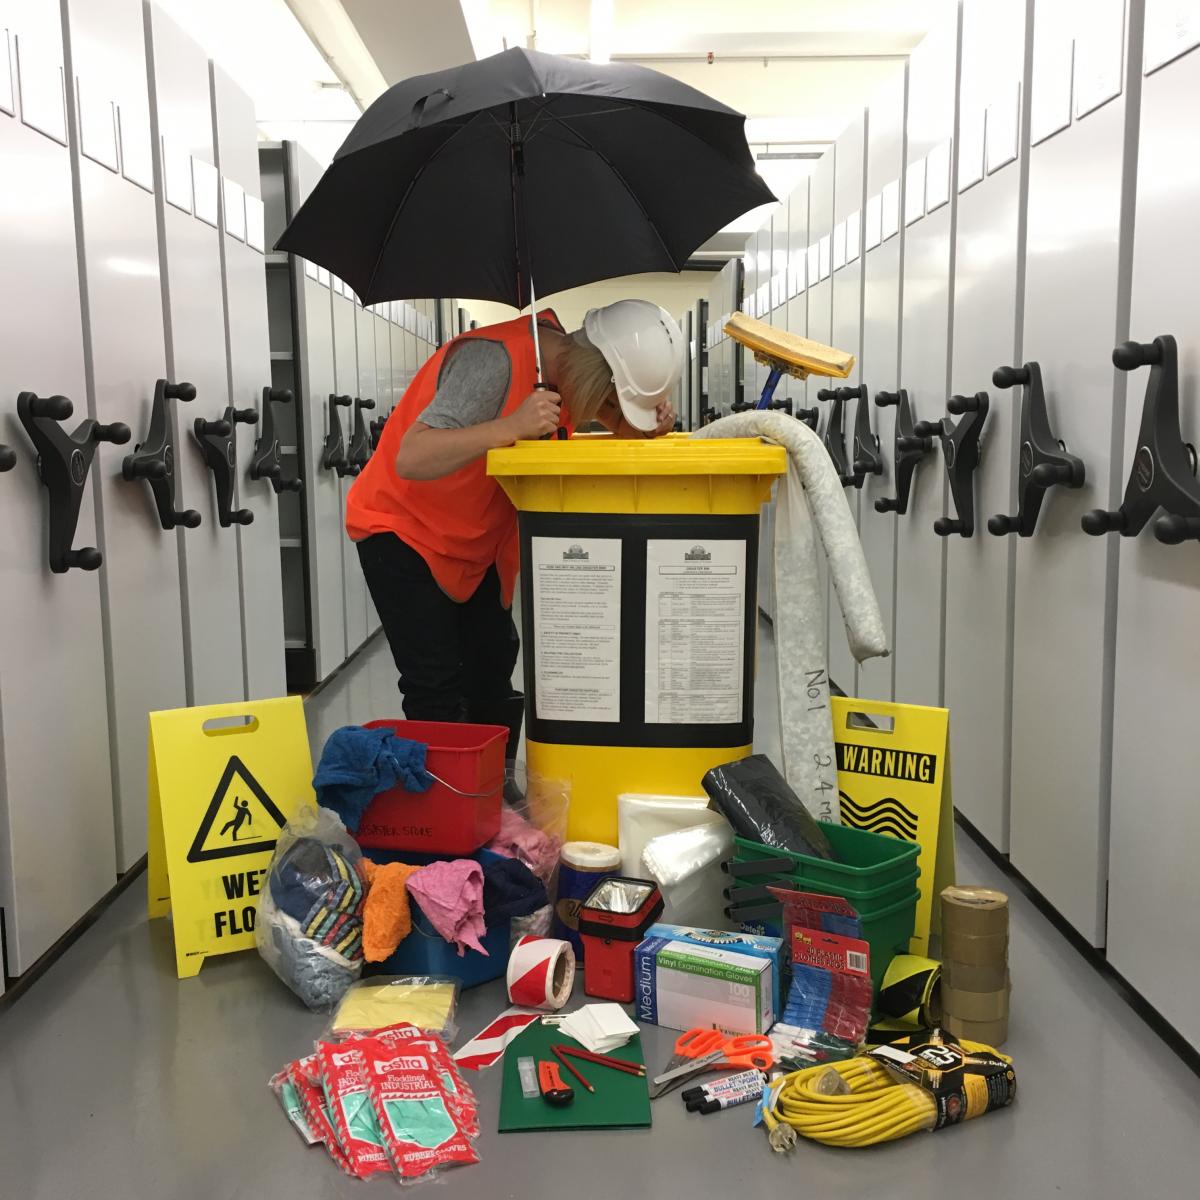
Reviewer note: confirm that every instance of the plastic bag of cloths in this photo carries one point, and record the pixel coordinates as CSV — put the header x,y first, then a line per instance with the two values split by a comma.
x,y
757,801
533,826
310,911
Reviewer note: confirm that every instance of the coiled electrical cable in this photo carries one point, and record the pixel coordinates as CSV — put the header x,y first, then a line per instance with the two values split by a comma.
x,y
852,1103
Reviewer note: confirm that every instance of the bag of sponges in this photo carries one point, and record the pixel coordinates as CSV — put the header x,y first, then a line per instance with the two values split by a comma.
x,y
309,927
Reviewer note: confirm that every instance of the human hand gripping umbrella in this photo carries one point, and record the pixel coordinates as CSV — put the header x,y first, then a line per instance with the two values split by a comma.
x,y
474,181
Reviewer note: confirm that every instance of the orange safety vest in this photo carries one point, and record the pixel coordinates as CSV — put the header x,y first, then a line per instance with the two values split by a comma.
x,y
462,523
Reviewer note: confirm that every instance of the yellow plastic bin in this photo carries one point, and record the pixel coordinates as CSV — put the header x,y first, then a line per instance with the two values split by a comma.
x,y
639,564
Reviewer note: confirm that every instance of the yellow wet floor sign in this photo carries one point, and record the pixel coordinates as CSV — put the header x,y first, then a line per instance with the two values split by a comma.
x,y
224,779
894,778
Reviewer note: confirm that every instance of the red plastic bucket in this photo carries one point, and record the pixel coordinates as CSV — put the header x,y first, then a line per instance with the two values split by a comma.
x,y
461,811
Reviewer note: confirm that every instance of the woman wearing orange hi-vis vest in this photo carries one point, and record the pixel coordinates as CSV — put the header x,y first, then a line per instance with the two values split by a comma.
x,y
437,538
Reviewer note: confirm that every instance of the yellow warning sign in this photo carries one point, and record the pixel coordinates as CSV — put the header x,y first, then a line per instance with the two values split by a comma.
x,y
894,777
224,779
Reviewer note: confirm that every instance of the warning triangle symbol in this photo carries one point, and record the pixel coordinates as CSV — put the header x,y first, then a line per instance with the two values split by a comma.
x,y
241,817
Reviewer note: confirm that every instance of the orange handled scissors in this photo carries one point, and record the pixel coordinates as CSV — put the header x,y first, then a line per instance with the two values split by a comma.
x,y
744,1050
700,1050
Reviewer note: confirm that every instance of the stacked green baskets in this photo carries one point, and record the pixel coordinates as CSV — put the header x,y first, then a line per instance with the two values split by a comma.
x,y
875,873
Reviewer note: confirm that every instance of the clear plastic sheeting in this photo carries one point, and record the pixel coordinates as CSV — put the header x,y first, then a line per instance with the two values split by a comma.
x,y
641,817
811,503
687,866
675,857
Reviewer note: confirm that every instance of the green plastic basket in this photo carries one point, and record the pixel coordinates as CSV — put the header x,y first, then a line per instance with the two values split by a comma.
x,y
888,931
866,901
864,860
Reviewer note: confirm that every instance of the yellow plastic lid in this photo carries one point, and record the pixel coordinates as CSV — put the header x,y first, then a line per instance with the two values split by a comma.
x,y
658,456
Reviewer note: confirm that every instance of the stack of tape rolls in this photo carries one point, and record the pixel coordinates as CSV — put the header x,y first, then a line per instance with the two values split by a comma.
x,y
976,986
541,973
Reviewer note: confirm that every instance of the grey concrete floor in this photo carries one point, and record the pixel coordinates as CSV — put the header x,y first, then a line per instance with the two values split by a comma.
x,y
120,1082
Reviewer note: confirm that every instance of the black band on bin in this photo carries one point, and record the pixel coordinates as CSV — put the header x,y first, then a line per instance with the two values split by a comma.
x,y
634,532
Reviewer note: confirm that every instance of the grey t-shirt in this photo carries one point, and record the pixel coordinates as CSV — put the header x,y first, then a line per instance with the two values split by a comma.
x,y
472,385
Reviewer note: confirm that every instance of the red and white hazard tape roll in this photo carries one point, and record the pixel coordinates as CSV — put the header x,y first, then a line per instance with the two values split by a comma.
x,y
540,973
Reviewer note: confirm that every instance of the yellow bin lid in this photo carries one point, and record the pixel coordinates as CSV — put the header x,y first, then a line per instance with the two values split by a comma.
x,y
661,475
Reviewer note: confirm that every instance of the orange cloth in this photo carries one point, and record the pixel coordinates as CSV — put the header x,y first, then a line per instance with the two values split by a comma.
x,y
386,917
462,523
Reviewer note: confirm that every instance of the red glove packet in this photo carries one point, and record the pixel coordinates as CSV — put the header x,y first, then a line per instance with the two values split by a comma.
x,y
312,1101
459,1096
344,1078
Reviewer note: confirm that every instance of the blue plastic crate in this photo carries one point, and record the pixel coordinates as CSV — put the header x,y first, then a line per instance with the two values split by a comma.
x,y
425,952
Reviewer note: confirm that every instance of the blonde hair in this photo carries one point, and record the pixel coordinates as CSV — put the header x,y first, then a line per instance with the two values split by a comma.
x,y
585,380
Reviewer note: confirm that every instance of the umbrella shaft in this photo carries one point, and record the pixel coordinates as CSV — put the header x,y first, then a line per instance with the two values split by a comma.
x,y
537,341
520,228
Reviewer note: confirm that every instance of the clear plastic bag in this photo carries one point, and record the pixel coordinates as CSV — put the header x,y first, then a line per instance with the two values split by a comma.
x,y
674,857
537,924
309,922
533,820
429,1002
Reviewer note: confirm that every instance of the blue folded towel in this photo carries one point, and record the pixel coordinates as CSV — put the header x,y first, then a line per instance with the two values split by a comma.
x,y
357,764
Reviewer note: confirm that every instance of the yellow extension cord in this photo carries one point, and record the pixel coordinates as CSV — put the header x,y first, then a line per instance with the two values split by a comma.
x,y
876,1108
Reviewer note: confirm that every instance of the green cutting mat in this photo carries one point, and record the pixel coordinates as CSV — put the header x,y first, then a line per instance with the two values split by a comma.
x,y
620,1099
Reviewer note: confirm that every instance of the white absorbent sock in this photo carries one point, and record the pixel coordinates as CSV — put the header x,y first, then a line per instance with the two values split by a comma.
x,y
810,503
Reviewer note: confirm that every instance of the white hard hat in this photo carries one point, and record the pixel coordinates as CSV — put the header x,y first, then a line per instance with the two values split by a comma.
x,y
644,347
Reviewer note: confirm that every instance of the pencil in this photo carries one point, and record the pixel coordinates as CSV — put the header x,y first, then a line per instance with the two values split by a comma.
x,y
604,1060
562,1058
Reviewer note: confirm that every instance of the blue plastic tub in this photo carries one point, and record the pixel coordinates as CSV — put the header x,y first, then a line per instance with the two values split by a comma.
x,y
425,952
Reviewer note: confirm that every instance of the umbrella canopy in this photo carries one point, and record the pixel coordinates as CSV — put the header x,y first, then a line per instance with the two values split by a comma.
x,y
525,166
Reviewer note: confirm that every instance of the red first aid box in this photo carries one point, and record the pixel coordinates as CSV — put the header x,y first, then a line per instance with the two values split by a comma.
x,y
461,811
612,922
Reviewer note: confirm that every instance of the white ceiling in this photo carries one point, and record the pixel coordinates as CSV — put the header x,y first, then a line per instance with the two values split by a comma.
x,y
797,68
641,28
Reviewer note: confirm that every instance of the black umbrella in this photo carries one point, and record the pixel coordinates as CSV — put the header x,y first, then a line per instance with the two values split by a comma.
x,y
524,166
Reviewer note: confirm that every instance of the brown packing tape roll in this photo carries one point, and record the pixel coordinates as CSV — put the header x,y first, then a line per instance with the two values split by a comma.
x,y
976,911
976,1006
971,977
991,950
990,1033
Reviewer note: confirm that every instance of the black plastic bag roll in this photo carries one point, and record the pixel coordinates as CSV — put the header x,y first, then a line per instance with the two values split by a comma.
x,y
757,801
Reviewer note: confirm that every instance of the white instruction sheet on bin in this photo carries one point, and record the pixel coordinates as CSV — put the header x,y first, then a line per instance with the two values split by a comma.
x,y
577,628
695,631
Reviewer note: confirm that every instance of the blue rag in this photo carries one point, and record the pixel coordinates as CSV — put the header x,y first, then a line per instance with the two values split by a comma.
x,y
357,764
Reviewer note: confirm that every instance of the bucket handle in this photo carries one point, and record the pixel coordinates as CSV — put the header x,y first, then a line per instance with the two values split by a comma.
x,y
459,791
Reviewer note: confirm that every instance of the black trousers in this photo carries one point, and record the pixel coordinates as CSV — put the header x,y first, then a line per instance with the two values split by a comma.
x,y
455,659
